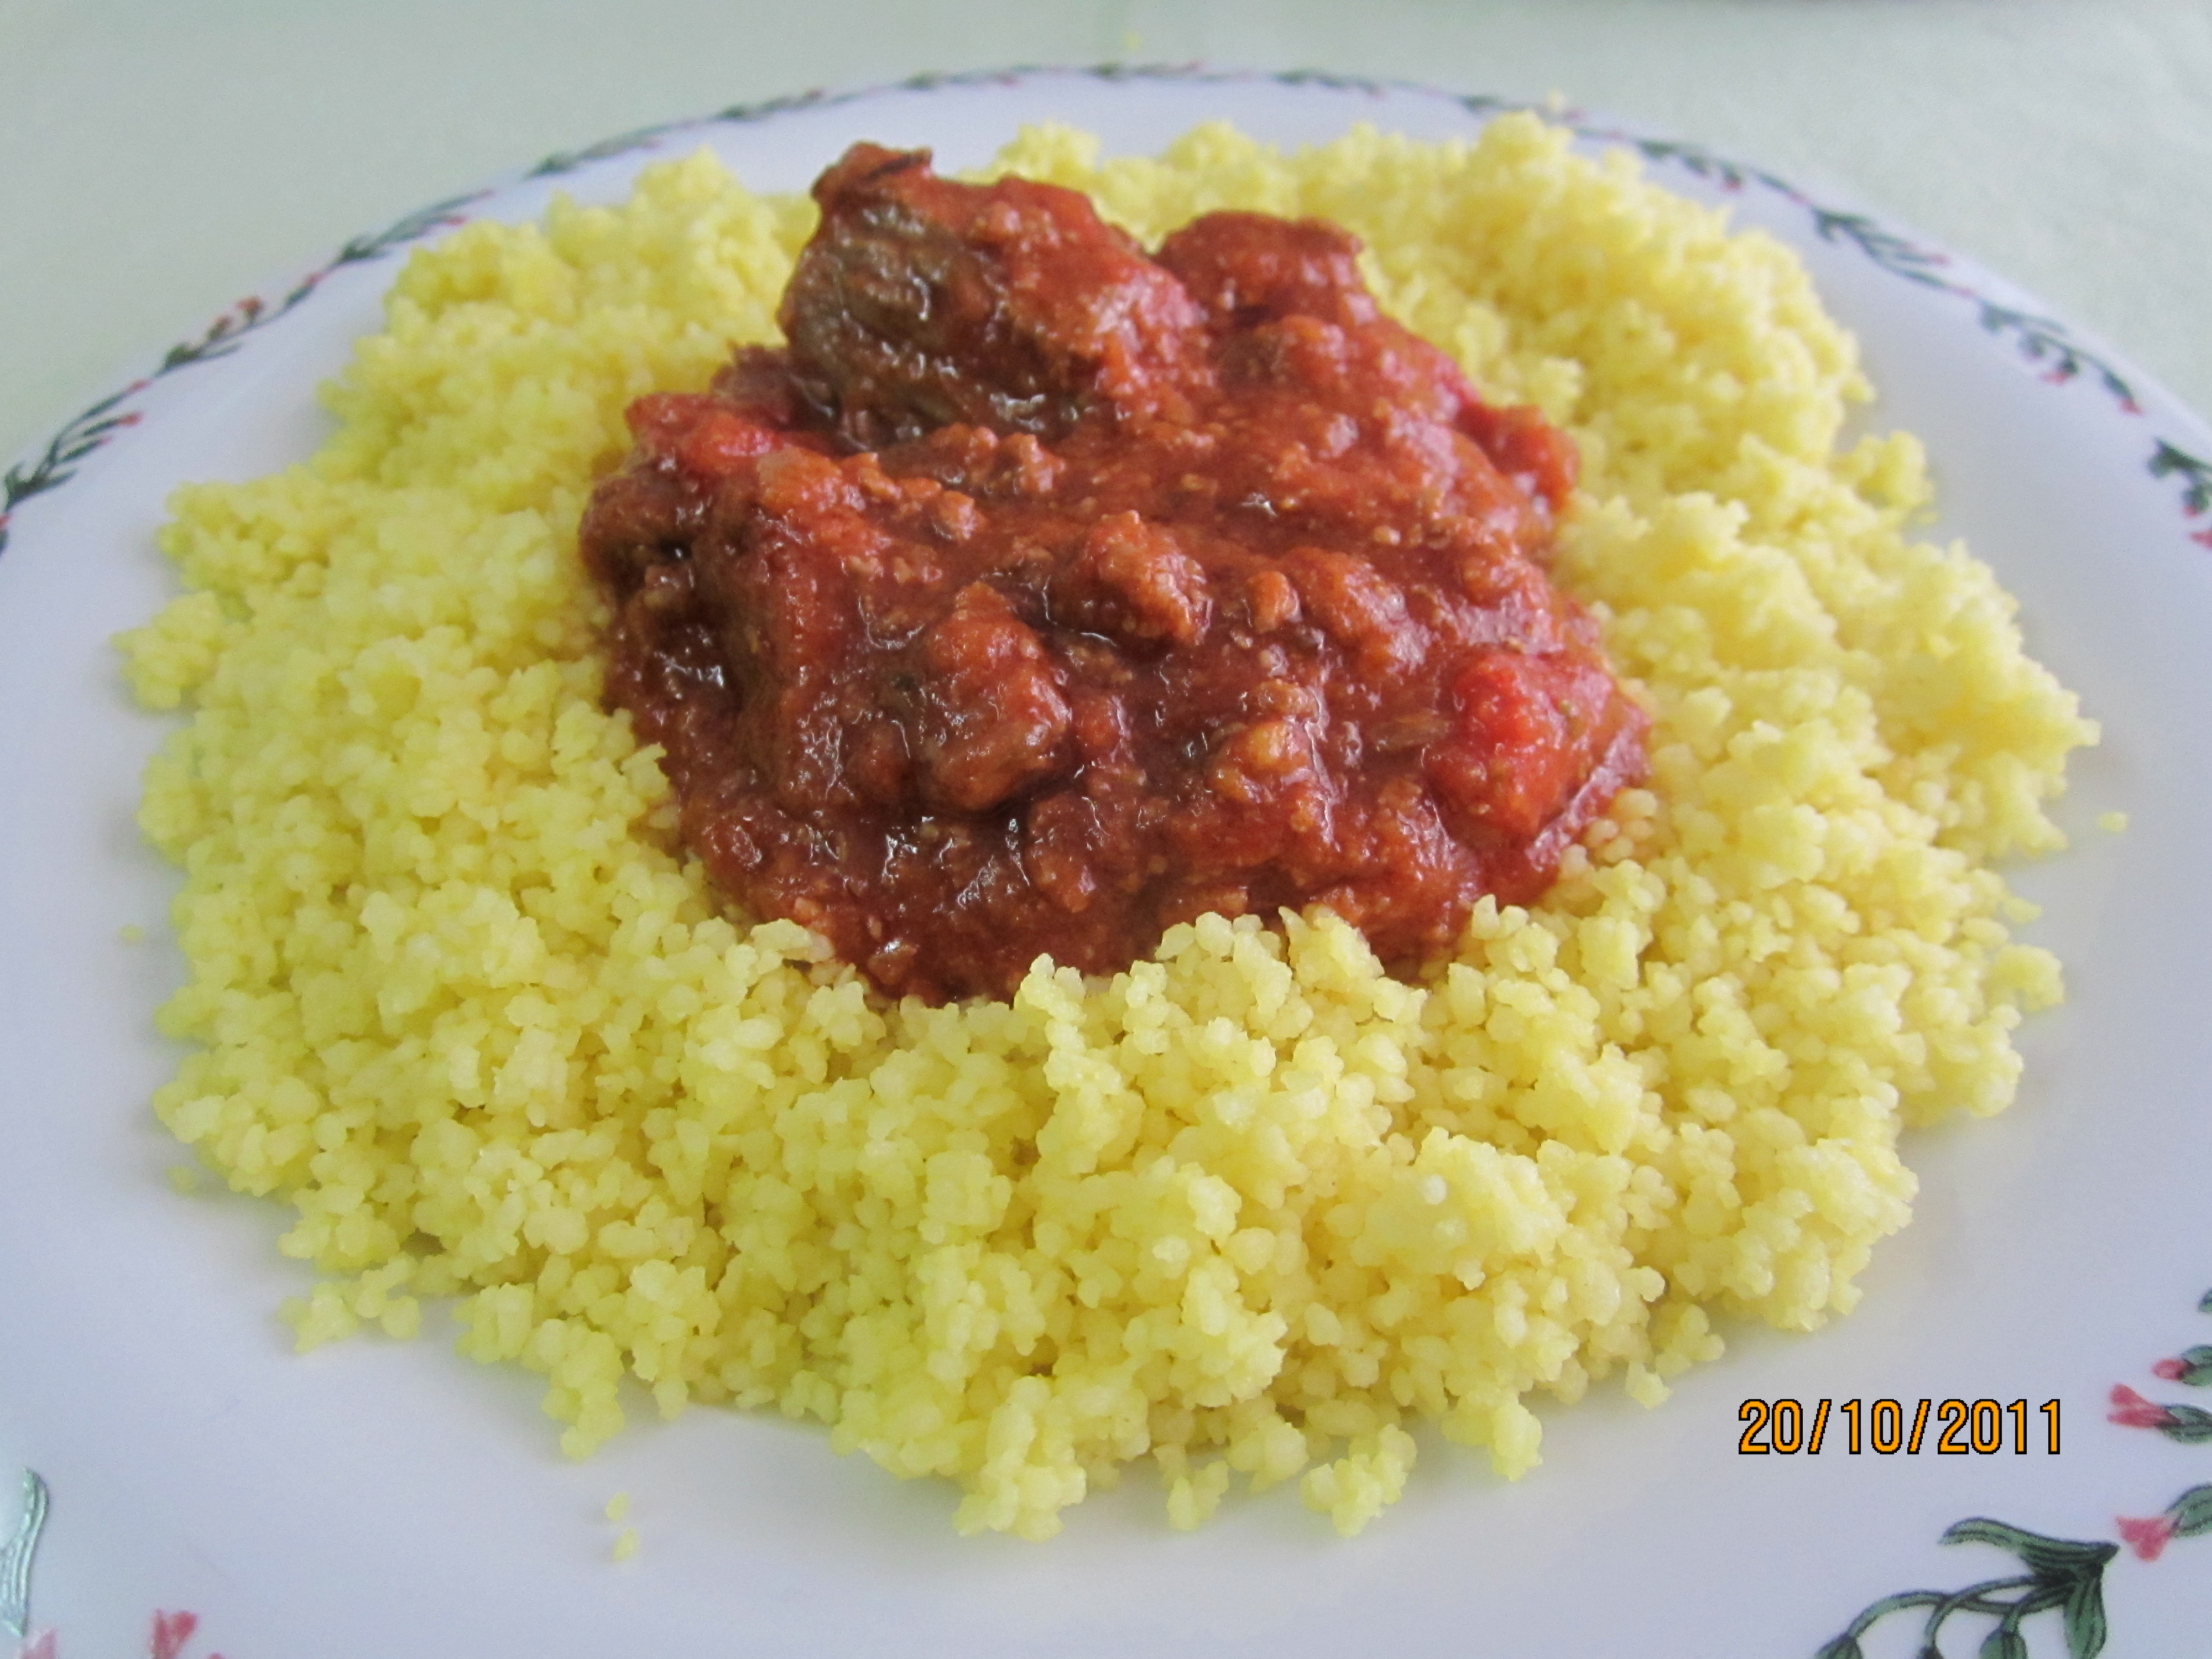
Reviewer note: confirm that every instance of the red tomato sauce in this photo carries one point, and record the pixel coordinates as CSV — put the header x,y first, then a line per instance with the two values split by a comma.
x,y
1040,594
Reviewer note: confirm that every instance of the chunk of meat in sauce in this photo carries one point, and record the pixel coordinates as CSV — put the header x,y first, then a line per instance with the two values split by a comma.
x,y
921,302
1040,595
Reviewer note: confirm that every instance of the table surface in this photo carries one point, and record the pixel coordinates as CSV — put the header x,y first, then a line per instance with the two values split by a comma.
x,y
158,163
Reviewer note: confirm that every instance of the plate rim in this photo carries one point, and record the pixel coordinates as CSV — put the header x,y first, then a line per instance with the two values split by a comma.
x,y
2061,354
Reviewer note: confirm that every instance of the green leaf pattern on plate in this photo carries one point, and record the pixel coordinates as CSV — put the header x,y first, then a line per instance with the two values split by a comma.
x,y
2064,1574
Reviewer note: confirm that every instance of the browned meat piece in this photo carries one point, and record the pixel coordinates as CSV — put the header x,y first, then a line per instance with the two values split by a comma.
x,y
993,720
1247,268
921,302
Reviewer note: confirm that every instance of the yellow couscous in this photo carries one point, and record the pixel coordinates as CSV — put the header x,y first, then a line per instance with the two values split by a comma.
x,y
1254,1208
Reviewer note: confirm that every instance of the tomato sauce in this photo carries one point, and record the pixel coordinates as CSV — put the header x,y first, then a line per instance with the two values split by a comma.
x,y
1040,594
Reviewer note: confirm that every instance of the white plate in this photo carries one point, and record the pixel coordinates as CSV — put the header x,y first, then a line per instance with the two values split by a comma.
x,y
381,1498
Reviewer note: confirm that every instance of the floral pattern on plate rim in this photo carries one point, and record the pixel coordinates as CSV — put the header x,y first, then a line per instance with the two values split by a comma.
x,y
170,1634
2064,1575
2061,1575
2044,342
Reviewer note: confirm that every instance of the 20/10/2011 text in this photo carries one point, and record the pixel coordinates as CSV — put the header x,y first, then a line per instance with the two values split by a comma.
x,y
1889,1427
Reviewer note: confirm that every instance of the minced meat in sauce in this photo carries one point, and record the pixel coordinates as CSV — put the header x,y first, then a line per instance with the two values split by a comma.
x,y
1039,595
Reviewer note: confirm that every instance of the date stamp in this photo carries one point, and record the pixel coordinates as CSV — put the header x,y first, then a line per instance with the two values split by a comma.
x,y
1950,1428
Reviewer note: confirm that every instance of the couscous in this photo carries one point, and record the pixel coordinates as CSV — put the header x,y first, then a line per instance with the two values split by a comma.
x,y
1252,1208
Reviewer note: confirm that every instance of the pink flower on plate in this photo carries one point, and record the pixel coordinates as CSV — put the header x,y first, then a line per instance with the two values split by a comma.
x,y
2132,1411
2172,1369
171,1631
2147,1537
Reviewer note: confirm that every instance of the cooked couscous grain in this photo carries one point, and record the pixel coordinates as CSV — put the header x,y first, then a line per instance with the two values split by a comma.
x,y
1253,1209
